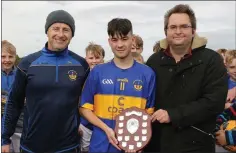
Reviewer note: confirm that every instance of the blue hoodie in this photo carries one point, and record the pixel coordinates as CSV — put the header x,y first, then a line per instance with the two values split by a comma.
x,y
231,85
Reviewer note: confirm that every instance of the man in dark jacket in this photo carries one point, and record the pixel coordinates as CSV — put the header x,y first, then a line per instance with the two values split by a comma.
x,y
51,81
191,88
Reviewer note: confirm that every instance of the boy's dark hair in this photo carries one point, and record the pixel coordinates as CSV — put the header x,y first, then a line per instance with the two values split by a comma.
x,y
120,27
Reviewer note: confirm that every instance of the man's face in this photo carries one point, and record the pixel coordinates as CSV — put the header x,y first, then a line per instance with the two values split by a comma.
x,y
8,60
93,60
179,30
121,45
59,36
232,69
137,49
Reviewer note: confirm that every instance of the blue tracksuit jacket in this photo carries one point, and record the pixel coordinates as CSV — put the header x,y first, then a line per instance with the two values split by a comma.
x,y
51,82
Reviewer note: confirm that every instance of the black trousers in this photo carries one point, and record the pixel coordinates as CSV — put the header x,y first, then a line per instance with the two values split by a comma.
x,y
75,150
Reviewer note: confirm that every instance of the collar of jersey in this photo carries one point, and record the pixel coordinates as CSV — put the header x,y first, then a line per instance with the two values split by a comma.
x,y
48,52
11,72
231,81
113,63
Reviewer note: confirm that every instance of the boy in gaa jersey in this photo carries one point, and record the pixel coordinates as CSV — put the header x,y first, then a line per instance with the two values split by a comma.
x,y
114,86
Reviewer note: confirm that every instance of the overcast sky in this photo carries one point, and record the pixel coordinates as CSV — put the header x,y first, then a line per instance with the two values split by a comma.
x,y
23,22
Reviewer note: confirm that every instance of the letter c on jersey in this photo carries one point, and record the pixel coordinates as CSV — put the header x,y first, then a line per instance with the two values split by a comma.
x,y
119,108
107,81
121,101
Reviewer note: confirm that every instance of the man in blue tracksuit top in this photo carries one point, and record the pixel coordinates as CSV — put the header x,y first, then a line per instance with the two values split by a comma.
x,y
51,81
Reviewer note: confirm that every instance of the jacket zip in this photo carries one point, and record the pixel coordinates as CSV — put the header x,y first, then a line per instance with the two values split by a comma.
x,y
56,69
209,134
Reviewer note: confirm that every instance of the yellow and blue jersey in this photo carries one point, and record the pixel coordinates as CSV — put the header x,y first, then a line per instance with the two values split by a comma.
x,y
109,90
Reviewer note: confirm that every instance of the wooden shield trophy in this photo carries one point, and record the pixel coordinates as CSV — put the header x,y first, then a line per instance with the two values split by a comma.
x,y
133,129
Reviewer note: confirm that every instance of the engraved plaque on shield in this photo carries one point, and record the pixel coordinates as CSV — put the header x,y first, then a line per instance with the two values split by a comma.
x,y
133,129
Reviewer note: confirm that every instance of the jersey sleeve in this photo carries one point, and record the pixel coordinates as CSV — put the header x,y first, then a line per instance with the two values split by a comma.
x,y
89,90
226,115
230,136
151,94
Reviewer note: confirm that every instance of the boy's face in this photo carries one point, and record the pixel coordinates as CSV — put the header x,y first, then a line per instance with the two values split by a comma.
x,y
8,60
137,49
231,67
121,45
92,60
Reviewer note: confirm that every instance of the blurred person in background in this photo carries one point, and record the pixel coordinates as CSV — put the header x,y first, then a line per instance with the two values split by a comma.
x,y
7,77
230,62
222,52
94,55
156,47
137,45
138,57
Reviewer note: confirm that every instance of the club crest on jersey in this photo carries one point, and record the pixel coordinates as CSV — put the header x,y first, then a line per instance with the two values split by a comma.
x,y
72,75
138,85
4,99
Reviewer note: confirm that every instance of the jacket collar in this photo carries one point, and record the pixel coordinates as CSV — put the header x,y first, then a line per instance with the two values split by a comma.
x,y
11,72
197,42
48,52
